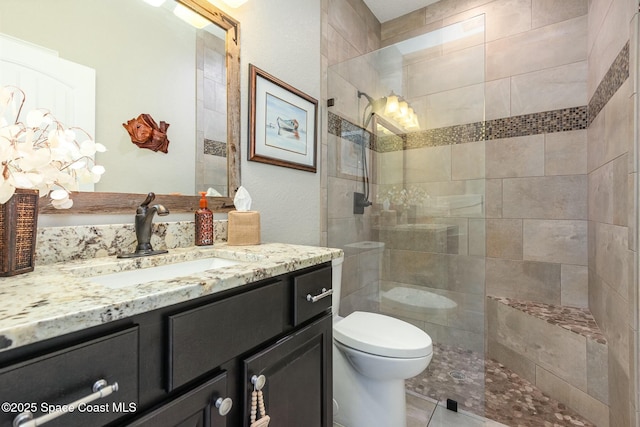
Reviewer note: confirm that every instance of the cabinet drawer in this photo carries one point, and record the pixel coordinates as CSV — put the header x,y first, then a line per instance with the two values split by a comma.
x,y
203,338
64,376
311,284
197,407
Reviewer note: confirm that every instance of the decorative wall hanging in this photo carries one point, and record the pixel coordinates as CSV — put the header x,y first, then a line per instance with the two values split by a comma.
x,y
282,123
145,133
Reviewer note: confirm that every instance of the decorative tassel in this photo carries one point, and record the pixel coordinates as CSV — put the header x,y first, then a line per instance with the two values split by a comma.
x,y
257,402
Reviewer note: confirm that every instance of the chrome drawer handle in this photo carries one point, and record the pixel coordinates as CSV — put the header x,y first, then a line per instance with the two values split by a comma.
x,y
325,293
224,405
100,390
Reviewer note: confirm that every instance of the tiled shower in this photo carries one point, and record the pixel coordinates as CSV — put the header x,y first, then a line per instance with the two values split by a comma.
x,y
504,226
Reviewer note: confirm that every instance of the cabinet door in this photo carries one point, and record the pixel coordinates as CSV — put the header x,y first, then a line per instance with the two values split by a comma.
x,y
298,371
195,408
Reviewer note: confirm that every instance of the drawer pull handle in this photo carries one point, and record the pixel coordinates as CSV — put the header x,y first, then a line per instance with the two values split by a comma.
x,y
100,389
325,293
224,405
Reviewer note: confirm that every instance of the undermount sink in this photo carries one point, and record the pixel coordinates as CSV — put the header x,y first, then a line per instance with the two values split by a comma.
x,y
124,279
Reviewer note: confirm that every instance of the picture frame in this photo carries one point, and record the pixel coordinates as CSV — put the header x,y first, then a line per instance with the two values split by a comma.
x,y
283,123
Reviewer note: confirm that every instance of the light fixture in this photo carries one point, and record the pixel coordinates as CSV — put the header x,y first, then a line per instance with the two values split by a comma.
x,y
155,3
189,16
403,110
232,3
392,107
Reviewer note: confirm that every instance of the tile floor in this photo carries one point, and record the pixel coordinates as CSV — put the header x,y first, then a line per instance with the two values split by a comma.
x,y
483,388
486,388
425,412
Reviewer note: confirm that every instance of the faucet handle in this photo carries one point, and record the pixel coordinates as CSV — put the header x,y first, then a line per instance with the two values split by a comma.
x,y
148,200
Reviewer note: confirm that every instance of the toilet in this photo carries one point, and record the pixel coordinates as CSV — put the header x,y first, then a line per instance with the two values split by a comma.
x,y
372,356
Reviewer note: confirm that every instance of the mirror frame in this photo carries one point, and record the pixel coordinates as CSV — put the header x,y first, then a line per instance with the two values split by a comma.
x,y
122,203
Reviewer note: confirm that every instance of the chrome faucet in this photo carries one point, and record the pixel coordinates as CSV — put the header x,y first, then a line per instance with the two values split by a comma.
x,y
144,223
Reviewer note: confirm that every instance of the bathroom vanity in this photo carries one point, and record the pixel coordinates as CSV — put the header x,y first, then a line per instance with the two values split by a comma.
x,y
183,351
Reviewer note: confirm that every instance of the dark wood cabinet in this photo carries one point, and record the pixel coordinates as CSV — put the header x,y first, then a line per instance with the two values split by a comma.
x,y
182,365
47,382
297,369
223,329
202,406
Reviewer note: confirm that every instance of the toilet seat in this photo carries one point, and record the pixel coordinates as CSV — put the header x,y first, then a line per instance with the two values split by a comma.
x,y
382,335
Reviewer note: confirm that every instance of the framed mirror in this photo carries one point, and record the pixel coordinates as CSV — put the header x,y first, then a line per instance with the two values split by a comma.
x,y
147,61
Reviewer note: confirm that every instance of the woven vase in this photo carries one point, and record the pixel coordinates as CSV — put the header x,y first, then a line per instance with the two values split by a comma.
x,y
18,227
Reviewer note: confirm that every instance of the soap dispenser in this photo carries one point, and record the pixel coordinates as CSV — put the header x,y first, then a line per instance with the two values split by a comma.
x,y
204,223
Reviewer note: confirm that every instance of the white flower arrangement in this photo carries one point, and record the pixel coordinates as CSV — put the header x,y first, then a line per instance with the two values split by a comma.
x,y
40,153
402,199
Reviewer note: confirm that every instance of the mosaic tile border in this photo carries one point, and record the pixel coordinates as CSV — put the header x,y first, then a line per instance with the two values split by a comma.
x,y
617,74
562,120
215,148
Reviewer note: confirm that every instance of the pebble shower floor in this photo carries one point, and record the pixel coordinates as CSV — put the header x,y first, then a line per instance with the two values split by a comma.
x,y
489,389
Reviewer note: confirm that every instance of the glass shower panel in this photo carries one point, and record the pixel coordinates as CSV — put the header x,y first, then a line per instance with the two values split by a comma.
x,y
406,196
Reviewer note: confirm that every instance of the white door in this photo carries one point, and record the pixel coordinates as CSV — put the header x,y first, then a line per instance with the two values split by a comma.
x,y
63,87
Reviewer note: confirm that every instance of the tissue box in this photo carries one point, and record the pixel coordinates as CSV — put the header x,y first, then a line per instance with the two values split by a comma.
x,y
243,228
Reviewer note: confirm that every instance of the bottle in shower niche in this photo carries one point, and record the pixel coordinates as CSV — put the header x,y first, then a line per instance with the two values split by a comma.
x,y
204,223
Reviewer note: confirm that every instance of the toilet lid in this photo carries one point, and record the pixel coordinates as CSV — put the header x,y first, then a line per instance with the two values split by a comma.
x,y
382,335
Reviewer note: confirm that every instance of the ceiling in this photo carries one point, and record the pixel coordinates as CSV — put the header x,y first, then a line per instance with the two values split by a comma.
x,y
386,10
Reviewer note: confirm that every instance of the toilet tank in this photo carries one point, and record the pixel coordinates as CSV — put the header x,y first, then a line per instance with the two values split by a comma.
x,y
336,284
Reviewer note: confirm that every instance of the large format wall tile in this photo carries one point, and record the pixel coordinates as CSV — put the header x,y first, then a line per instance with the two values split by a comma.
x,y
503,18
493,196
389,168
396,27
621,401
557,241
497,101
609,31
556,197
340,197
427,164
565,153
527,52
608,192
597,371
586,405
528,280
549,89
434,75
515,157
465,274
610,311
617,126
543,344
574,282
346,21
504,238
452,107
417,268
613,257
341,49
468,161
545,12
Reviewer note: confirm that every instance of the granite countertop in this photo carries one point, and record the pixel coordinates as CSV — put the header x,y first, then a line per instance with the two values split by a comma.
x,y
59,298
